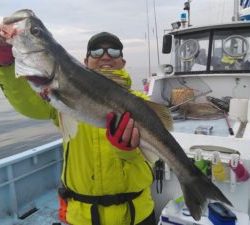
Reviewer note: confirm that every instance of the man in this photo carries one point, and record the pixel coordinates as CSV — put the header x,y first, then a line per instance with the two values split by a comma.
x,y
104,182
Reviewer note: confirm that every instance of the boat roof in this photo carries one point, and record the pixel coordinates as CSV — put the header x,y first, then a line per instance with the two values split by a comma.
x,y
193,29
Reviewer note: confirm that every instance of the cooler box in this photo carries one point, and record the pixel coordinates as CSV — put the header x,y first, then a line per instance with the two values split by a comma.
x,y
219,214
173,216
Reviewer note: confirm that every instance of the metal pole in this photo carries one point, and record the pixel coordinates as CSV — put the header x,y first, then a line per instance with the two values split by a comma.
x,y
189,23
187,7
156,36
236,10
149,61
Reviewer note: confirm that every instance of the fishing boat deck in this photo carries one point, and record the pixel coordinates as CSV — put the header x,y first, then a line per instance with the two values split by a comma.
x,y
46,213
25,197
218,127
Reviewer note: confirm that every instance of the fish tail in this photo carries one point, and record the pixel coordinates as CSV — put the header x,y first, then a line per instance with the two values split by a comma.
x,y
197,192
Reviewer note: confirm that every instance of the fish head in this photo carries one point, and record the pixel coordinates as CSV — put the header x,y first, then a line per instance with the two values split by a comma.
x,y
33,47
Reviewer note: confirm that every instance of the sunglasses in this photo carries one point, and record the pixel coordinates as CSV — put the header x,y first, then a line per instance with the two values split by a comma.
x,y
98,53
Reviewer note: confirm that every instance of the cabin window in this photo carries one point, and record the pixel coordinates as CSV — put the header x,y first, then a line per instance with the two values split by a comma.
x,y
230,51
191,52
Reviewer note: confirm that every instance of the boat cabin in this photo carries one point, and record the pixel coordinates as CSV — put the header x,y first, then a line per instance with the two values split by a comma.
x,y
211,49
206,86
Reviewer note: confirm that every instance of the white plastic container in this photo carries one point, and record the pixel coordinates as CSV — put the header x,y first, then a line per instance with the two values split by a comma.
x,y
238,109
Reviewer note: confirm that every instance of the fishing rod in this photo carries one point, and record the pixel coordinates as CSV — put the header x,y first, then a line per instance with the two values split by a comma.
x,y
222,106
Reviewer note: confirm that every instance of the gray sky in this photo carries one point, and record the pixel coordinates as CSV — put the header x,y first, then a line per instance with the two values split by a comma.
x,y
72,22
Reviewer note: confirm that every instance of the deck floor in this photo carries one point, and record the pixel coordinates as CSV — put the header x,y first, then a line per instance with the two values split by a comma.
x,y
219,126
45,215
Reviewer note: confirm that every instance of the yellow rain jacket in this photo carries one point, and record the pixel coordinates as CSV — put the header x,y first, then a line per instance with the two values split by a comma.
x,y
92,166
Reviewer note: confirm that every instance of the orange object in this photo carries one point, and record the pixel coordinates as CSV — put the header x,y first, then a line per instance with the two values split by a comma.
x,y
62,209
181,95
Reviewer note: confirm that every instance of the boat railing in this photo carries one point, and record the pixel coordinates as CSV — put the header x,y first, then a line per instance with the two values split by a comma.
x,y
26,176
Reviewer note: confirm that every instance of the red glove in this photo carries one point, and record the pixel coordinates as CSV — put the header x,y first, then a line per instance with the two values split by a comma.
x,y
6,57
114,134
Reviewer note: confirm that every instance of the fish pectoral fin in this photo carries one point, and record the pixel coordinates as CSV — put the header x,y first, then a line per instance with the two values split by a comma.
x,y
68,126
163,113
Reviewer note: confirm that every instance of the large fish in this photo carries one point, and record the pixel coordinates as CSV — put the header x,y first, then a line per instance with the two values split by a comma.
x,y
88,96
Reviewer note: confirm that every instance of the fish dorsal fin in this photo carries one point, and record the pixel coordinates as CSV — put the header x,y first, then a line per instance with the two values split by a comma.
x,y
116,79
163,113
68,126
111,75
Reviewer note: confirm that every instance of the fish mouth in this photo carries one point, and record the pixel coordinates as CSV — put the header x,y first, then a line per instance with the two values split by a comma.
x,y
18,16
42,80
8,27
38,80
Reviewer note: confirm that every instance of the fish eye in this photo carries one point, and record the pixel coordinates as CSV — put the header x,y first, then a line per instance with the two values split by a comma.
x,y
35,31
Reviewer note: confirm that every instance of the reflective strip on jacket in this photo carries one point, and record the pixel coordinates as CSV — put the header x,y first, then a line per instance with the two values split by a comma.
x,y
92,166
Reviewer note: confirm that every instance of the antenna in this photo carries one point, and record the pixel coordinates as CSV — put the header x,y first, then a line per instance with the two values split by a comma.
x,y
149,61
156,35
